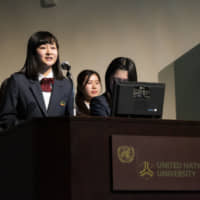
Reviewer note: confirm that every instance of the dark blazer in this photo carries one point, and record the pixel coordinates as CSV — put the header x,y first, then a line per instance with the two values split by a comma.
x,y
23,100
99,106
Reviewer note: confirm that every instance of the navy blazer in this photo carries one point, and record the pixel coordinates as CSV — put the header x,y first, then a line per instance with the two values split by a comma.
x,y
99,106
23,100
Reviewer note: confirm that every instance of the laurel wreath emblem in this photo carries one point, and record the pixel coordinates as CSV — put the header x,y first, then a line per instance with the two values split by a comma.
x,y
126,154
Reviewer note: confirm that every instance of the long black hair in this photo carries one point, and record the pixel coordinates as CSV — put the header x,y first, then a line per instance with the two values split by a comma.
x,y
31,66
119,63
82,80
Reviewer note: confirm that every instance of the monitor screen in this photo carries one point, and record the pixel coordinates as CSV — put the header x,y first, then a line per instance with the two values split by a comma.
x,y
138,99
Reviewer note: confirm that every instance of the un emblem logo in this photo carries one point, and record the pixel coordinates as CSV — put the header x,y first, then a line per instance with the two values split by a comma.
x,y
126,154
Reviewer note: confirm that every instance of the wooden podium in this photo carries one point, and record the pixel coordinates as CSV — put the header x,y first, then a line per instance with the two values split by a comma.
x,y
71,159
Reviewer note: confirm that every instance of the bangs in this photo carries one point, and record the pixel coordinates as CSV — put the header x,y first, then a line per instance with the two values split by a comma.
x,y
48,40
41,38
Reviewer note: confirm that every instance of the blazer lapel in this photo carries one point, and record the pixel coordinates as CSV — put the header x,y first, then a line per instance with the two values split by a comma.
x,y
55,96
37,93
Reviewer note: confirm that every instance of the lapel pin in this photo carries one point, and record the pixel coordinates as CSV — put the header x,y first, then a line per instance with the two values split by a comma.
x,y
62,103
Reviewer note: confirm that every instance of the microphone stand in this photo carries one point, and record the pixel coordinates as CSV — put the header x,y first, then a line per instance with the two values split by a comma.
x,y
69,76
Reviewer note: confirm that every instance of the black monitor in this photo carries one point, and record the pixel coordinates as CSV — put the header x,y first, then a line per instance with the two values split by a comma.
x,y
138,99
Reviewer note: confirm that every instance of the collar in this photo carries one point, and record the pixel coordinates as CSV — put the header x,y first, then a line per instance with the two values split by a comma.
x,y
87,104
41,76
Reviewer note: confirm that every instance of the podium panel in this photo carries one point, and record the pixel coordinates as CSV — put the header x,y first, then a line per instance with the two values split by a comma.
x,y
161,163
71,158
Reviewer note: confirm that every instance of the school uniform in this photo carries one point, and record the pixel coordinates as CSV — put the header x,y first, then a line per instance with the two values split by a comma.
x,y
23,100
99,106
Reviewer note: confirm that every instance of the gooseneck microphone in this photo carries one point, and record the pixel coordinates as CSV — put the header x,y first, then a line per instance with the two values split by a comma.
x,y
66,66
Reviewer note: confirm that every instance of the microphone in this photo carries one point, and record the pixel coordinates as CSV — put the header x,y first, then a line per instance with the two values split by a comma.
x,y
66,66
